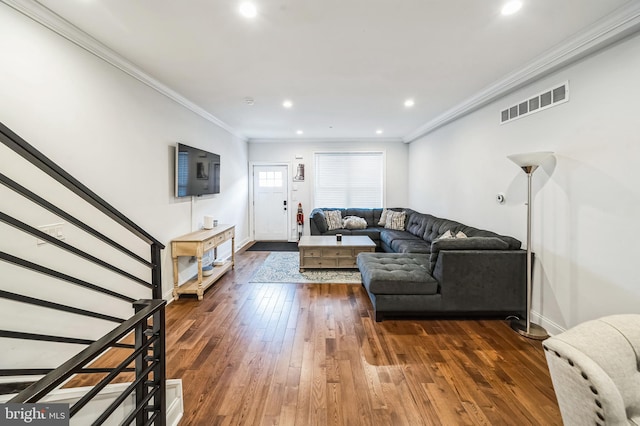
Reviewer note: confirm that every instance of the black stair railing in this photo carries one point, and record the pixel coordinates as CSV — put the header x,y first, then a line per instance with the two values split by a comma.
x,y
147,324
148,355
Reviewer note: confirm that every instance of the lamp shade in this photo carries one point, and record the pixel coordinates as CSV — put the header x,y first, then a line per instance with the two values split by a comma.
x,y
529,158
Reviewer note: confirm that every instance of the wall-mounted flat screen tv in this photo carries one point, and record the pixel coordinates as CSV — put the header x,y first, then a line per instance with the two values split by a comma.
x,y
197,171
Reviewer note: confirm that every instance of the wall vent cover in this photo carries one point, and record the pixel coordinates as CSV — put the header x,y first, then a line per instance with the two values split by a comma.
x,y
543,100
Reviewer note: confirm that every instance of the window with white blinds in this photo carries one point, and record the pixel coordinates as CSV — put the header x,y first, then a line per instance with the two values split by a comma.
x,y
349,179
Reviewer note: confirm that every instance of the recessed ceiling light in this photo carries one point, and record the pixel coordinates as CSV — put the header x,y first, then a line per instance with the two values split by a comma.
x,y
409,103
299,132
379,131
511,7
248,9
287,104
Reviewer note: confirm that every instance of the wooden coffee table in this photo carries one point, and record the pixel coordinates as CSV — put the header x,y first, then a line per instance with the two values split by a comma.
x,y
325,252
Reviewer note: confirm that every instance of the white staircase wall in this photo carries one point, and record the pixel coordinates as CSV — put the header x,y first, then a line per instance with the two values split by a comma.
x,y
91,411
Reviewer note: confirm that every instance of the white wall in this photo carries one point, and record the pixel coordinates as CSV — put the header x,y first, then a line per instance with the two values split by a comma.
x,y
117,136
396,155
587,201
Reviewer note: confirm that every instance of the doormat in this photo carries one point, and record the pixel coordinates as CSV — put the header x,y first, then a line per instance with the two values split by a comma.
x,y
283,267
273,246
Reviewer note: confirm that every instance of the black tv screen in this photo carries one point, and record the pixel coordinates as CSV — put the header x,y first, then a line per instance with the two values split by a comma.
x,y
197,171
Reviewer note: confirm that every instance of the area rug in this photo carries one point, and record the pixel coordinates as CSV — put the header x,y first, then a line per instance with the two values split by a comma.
x,y
283,267
273,246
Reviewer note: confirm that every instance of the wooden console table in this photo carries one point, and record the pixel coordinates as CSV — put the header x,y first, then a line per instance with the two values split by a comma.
x,y
196,244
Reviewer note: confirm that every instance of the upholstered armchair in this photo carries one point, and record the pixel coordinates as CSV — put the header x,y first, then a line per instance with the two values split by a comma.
x,y
595,369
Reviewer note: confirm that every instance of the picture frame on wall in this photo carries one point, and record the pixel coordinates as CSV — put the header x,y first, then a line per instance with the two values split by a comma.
x,y
299,174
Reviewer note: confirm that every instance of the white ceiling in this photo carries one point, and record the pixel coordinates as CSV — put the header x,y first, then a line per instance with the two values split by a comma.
x,y
347,65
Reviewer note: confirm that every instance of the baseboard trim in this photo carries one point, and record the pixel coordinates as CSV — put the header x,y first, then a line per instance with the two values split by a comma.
x,y
551,327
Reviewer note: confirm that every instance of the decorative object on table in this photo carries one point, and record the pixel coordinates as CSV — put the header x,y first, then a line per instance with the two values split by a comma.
x,y
209,223
207,270
215,223
338,237
284,267
529,162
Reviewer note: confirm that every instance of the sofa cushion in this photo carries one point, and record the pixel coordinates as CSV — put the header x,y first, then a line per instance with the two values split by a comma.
x,y
393,273
514,244
320,220
372,216
436,226
342,231
390,235
373,233
411,246
416,223
471,243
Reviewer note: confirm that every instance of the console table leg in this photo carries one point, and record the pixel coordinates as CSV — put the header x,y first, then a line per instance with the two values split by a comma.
x,y
175,279
233,252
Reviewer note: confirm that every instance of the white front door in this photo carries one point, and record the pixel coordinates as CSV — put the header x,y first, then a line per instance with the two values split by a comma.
x,y
270,209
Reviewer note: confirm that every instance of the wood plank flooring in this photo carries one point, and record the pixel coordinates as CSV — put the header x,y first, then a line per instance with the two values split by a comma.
x,y
301,354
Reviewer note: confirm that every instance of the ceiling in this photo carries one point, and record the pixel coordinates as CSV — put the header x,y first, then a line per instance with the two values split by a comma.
x,y
347,65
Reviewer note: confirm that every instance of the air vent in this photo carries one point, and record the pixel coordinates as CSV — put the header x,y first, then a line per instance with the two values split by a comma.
x,y
537,103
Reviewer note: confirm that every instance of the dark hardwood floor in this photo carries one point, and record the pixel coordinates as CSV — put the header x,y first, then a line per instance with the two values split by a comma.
x,y
300,354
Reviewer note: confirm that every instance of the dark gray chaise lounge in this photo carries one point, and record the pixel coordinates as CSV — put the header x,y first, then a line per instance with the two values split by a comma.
x,y
415,272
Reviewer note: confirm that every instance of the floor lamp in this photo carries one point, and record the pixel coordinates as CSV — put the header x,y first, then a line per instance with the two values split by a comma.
x,y
529,162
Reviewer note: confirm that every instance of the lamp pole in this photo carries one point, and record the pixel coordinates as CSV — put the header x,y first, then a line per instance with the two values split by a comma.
x,y
529,163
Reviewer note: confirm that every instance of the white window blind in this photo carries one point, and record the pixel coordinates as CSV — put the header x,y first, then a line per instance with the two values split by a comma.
x,y
349,179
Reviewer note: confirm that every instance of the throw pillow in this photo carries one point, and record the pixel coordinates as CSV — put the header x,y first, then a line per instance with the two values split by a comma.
x,y
334,219
446,236
383,217
354,222
395,220
449,235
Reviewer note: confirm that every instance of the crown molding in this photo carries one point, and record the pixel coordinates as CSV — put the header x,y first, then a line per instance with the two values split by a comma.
x,y
616,26
47,18
311,140
612,28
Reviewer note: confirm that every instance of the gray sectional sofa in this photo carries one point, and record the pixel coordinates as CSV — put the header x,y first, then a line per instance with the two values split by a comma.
x,y
415,271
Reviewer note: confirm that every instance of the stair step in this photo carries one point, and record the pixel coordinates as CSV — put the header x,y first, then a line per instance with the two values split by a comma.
x,y
9,388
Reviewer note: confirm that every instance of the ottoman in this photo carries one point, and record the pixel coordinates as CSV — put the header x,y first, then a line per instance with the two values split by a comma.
x,y
398,282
